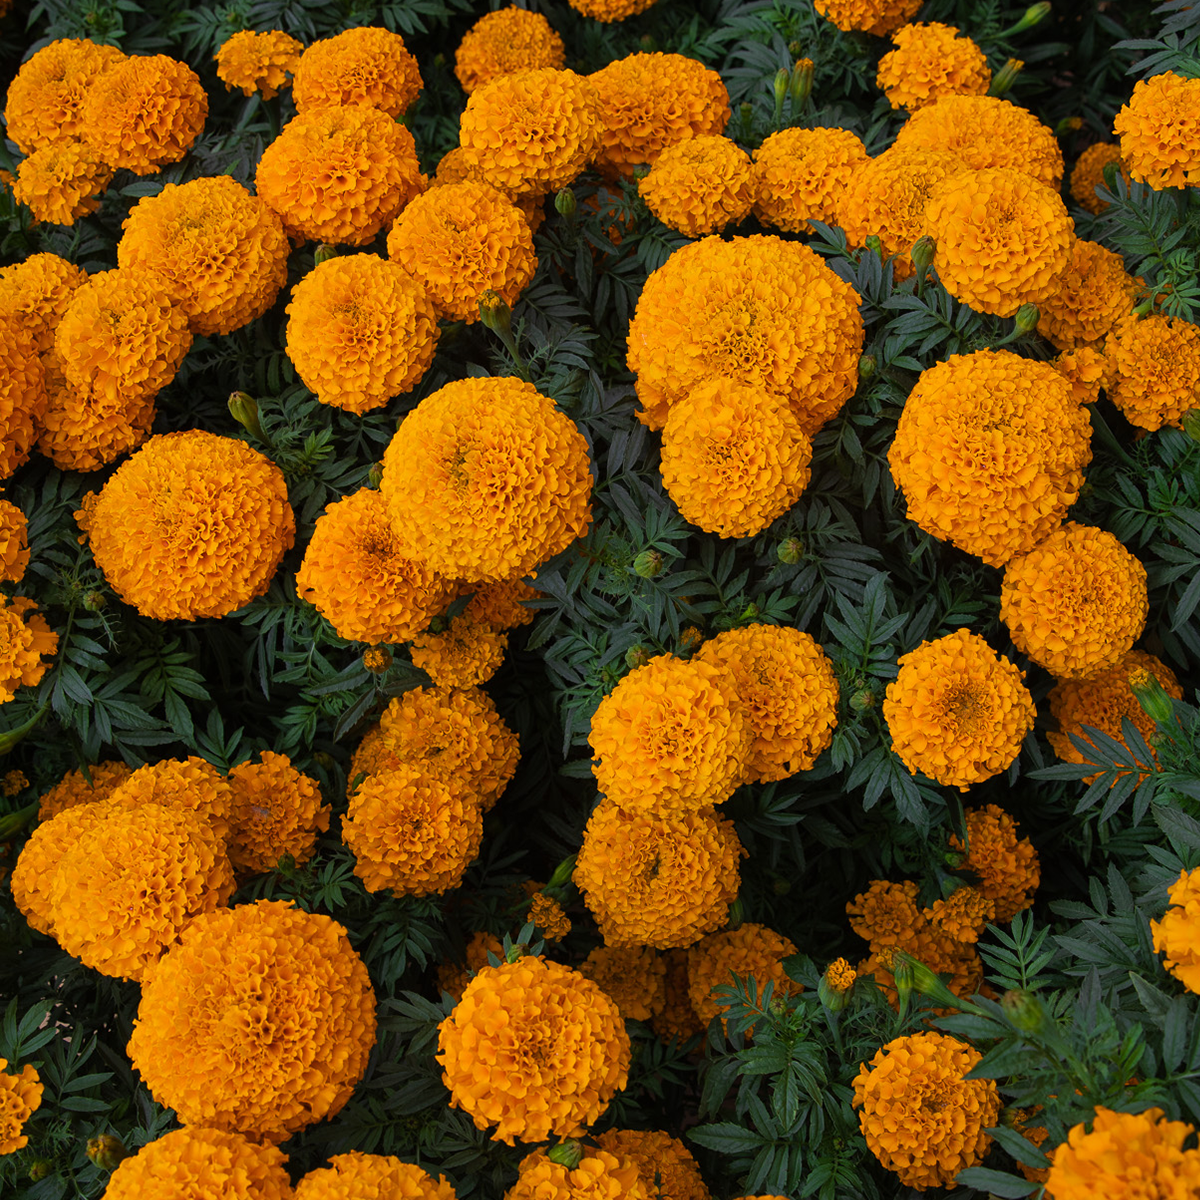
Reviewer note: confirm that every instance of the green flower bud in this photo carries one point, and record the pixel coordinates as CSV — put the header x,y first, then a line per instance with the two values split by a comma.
x,y
244,410
107,1152
40,1168
495,313
562,873
1004,78
323,253
564,202
648,564
863,699
636,656
1024,1010
375,475
567,1153
874,244
867,366
1027,318
802,80
1191,424
783,81
790,551
1151,695
923,251
1034,14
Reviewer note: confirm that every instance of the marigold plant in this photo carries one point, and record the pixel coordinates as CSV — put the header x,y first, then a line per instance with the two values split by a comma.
x,y
1159,131
802,175
700,185
365,66
27,644
634,977
1154,363
1088,174
466,653
1093,294
930,62
610,10
868,16
190,785
503,41
550,918
14,543
62,182
358,1176
38,291
666,1166
596,1175
1007,866
23,397
1174,936
276,811
963,914
750,952
261,63
20,1098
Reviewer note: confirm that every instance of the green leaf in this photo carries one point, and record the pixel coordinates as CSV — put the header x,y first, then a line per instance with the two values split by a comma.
x,y
999,1183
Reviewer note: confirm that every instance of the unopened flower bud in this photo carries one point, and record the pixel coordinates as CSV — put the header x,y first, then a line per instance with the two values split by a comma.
x,y
323,253
802,80
783,81
737,914
40,1168
648,564
94,601
323,759
750,611
923,251
836,985
567,1153
1024,1010
791,551
1150,694
564,202
495,313
1068,125
244,410
867,366
375,475
1191,424
107,1152
377,660
781,886
1004,78
863,699
874,243
1034,14
1027,318
647,43
562,874
515,951
636,656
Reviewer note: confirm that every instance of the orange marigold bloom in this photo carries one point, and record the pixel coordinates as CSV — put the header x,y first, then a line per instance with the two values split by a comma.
x,y
1093,294
45,100
453,977
357,575
1125,1154
193,525
548,915
504,41
487,478
647,102
610,10
1088,174
840,976
466,653
13,783
958,962
1160,131
661,881
276,811
460,240
921,1118
20,1098
75,789
144,112
358,1176
258,62
734,457
272,1042
986,132
23,396
365,66
868,16
760,311
749,952
802,175
200,1163
62,182
963,914
931,61
39,290
677,1022
26,645
189,785
1086,371
634,977
666,1166
339,174
700,185
1007,867
598,1175
1176,934
14,543
533,1048
33,876
360,331
222,252
1155,369
990,452
886,914
1076,602
501,605
788,687
671,737
1003,239
453,168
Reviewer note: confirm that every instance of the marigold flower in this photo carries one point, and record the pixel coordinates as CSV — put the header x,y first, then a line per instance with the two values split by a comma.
x,y
610,10
1159,131
634,977
20,1098
921,1118
1093,294
759,311
358,1176
1003,239
366,66
839,976
1007,867
749,952
788,687
1088,174
802,175
412,831
1086,371
647,102
460,240
453,168
23,396
1076,602
930,62
466,653
201,1163
75,788
959,963
1125,1154
957,711
1155,369
700,185
62,182
963,914
222,252
193,525
504,41
453,977
189,785
487,478
13,783
666,1166
598,1175
548,915
339,174
38,290
677,1021
990,452
886,913
44,101
533,1048
258,62
501,605
32,879
26,645
868,16
14,543
144,112
273,1041
1035,1135
1175,935
661,881
276,811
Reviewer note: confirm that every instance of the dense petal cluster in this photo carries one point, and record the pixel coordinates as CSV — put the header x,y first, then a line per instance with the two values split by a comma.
x,y
1088,174
957,711
77,788
551,919
1160,131
258,62
1007,866
1155,369
533,1048
14,543
700,185
26,645
868,16
634,977
38,291
23,396
749,952
1076,602
921,1118
193,525
360,331
358,1176
802,175
610,10
1093,294
365,66
963,914
62,182
466,653
487,478
273,1039
188,785
598,1175
1175,936
20,1098
661,881
276,811
930,62
666,1165
990,452
503,41
886,913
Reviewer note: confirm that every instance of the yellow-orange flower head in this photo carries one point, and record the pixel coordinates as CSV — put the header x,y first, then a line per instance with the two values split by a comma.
x,y
460,240
193,525
1007,867
962,915
957,711
466,653
23,396
277,811
258,62
700,185
647,102
1175,936
1160,131
635,977
189,785
1003,239
340,174
610,10
662,881
1093,294
930,62
801,175
75,788
1088,174
921,1118
20,1098
990,452
26,645
62,182
14,543
274,1040
533,1048
222,252
552,922
360,331
879,17
487,478
1125,1154
760,311
366,66
1155,369
144,112
886,914
665,1164
38,291
749,952
358,1176
503,41
598,1175
1076,602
